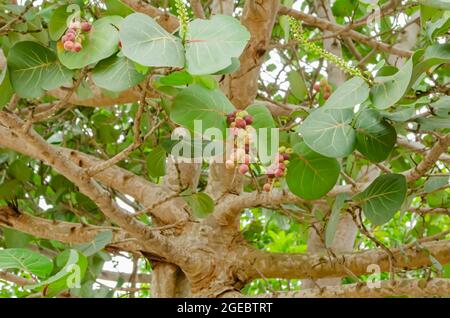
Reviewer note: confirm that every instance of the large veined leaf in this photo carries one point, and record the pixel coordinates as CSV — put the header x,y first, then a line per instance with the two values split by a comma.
x,y
202,104
348,95
311,175
333,221
99,43
390,89
328,132
116,74
211,44
25,260
383,198
433,55
375,137
69,276
97,244
34,68
147,43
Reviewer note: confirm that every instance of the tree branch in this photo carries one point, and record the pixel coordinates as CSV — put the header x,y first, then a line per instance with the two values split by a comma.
x,y
152,240
436,287
344,30
429,160
285,265
65,232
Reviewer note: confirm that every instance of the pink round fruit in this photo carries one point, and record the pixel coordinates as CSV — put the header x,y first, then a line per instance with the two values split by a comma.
x,y
327,89
248,119
86,26
326,95
240,123
281,166
230,118
243,169
69,45
77,47
70,36
279,173
286,156
266,187
246,159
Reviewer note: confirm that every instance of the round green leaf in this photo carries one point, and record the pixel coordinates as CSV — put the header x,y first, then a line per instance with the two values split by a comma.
x,y
101,42
353,92
146,42
390,89
375,137
211,44
433,55
116,74
200,103
310,175
34,68
383,198
26,260
328,132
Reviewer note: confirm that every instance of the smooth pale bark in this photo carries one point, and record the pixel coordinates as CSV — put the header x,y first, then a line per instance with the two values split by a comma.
x,y
259,18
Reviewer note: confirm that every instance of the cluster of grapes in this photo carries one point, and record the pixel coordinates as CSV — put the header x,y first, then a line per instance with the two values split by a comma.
x,y
323,87
72,38
241,129
277,169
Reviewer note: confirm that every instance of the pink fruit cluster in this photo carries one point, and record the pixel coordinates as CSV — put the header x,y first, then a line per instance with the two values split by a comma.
x,y
72,39
240,124
278,168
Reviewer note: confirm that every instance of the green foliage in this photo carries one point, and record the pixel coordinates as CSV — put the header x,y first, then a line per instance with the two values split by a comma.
x,y
200,103
116,74
353,92
34,68
383,198
200,203
328,132
209,48
146,42
388,90
375,138
310,175
101,42
26,260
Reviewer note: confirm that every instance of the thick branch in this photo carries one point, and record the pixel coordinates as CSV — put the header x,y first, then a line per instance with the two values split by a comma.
x,y
65,232
56,159
284,265
436,287
259,18
114,177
